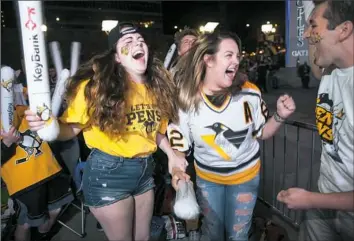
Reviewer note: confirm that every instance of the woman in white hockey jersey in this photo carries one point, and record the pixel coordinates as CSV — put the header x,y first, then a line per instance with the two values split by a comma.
x,y
222,116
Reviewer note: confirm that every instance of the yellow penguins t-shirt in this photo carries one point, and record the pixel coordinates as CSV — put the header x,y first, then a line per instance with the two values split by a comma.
x,y
142,123
33,162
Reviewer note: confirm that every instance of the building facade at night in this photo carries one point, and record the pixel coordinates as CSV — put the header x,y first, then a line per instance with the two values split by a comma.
x,y
89,14
69,21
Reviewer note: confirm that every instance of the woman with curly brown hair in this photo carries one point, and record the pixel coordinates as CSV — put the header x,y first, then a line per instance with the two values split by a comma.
x,y
122,100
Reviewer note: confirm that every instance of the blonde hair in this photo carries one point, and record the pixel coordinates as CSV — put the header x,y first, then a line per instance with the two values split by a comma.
x,y
191,69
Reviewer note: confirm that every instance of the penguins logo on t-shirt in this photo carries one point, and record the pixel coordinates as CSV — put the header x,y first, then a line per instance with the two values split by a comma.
x,y
324,117
150,126
328,120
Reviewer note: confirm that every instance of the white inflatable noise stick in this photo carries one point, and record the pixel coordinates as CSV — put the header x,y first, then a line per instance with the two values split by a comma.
x,y
64,74
169,55
34,52
59,91
54,48
309,6
7,98
186,206
75,57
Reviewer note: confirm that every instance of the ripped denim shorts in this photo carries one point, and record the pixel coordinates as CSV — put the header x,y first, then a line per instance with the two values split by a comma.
x,y
108,179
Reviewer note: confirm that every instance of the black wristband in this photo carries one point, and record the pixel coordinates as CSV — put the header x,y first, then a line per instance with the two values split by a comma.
x,y
278,118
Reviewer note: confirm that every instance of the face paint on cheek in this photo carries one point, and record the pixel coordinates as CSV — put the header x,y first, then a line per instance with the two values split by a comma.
x,y
124,50
315,38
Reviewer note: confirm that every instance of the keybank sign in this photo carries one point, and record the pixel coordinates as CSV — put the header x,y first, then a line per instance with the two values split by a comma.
x,y
297,47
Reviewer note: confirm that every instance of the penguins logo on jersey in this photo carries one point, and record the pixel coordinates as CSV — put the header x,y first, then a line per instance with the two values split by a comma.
x,y
31,144
225,141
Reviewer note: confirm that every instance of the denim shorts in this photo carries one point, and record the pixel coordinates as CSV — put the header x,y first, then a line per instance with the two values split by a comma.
x,y
108,179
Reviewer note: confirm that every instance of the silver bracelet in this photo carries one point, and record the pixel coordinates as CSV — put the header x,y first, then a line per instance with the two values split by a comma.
x,y
277,118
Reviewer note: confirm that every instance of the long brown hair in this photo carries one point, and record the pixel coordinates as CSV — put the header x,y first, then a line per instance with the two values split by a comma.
x,y
191,69
108,84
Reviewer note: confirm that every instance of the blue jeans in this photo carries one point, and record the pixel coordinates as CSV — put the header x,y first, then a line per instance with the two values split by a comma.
x,y
227,209
108,179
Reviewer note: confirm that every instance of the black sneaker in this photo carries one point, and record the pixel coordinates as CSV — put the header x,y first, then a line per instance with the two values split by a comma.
x,y
37,236
99,227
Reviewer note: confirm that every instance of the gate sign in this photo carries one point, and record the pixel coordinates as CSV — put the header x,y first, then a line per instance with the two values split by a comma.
x,y
296,45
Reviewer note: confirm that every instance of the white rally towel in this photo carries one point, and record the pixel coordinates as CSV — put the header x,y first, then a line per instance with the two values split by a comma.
x,y
186,206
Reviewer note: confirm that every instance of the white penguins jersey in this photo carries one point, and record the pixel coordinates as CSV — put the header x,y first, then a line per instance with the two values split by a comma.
x,y
225,146
334,119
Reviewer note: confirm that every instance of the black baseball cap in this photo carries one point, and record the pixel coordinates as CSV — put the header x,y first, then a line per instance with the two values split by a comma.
x,y
117,32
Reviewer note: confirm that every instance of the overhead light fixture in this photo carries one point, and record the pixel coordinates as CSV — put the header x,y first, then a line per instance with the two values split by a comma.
x,y
44,28
108,25
210,26
267,28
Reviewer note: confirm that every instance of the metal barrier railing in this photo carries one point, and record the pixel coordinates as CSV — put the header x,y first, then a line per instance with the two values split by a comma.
x,y
290,159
